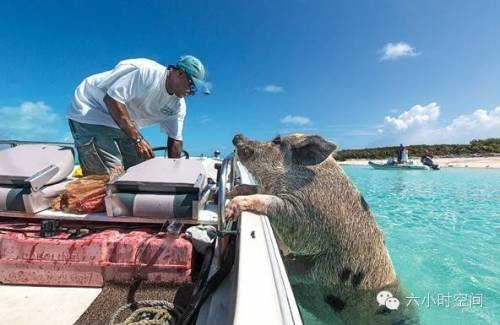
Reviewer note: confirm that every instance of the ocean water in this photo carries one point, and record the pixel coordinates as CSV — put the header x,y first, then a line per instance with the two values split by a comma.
x,y
442,229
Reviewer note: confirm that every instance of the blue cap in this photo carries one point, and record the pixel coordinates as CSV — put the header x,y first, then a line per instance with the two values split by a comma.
x,y
195,70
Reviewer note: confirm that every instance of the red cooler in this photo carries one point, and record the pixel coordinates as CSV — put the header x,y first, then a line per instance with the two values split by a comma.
x,y
104,254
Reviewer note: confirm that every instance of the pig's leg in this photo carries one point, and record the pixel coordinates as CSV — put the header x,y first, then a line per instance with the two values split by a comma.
x,y
258,203
243,189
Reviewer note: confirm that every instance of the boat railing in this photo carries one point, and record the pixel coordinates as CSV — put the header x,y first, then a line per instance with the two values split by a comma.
x,y
226,171
14,143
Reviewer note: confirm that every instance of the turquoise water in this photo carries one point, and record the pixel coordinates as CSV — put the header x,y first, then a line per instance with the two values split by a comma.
x,y
442,229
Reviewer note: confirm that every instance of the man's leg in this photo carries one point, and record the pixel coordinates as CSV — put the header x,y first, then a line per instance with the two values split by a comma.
x,y
97,149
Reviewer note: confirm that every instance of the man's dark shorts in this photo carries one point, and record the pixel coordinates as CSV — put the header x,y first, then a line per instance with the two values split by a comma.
x,y
102,149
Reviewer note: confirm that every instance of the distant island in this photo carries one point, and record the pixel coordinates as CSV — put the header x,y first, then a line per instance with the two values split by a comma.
x,y
476,148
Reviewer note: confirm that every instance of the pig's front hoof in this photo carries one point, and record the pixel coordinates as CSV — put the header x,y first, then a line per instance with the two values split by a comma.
x,y
232,211
236,206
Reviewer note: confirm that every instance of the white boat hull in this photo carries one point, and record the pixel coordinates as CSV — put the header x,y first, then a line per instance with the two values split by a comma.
x,y
397,166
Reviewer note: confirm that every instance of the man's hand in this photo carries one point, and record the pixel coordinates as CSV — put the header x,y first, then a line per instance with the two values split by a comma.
x,y
120,115
174,148
144,149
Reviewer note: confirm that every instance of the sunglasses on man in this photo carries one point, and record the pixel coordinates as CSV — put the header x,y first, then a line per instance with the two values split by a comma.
x,y
192,86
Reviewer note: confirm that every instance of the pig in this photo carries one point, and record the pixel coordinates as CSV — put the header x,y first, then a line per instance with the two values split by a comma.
x,y
332,247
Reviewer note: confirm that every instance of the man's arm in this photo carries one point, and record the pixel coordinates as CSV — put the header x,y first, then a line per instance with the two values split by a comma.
x,y
120,115
174,148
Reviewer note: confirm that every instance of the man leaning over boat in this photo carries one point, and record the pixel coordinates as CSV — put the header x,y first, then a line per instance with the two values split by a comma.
x,y
110,108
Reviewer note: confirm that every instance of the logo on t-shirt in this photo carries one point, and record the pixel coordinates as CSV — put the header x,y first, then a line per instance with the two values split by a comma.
x,y
167,110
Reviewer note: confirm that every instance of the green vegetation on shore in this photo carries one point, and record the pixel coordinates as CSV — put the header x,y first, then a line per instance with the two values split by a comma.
x,y
486,147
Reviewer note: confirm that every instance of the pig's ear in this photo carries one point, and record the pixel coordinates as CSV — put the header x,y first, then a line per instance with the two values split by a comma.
x,y
311,150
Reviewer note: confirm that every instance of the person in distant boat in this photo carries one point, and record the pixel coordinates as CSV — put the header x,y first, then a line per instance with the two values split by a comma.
x,y
110,108
426,159
399,153
404,156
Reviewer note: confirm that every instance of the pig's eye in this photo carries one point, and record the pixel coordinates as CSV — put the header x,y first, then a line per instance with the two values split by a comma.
x,y
276,140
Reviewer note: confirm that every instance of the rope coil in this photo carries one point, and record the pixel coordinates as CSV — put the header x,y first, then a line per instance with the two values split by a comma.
x,y
152,312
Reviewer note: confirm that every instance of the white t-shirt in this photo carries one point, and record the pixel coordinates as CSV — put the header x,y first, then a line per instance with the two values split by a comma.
x,y
404,157
140,85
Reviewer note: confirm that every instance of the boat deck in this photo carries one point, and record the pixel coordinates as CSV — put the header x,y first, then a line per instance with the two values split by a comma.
x,y
46,305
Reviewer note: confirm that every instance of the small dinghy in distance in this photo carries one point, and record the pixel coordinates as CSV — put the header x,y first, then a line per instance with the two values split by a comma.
x,y
404,166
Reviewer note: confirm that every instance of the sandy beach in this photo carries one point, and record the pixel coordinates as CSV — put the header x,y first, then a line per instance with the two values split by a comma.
x,y
464,162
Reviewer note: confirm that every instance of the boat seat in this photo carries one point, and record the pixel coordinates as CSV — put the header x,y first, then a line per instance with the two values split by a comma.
x,y
31,173
159,187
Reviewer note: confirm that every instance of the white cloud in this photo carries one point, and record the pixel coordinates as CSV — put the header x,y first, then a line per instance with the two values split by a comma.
x,y
361,133
420,124
392,51
272,89
479,124
417,115
304,130
28,121
296,120
205,119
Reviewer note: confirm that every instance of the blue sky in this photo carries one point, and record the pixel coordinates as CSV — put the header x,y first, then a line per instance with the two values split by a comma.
x,y
360,73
